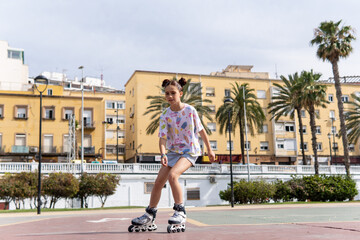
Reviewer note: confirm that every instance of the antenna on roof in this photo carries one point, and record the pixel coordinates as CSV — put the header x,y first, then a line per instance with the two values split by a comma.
x,y
276,73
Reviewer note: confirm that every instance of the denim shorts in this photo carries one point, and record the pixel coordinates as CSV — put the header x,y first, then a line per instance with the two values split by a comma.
x,y
173,157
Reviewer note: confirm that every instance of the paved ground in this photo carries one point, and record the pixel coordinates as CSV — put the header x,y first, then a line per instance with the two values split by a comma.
x,y
310,221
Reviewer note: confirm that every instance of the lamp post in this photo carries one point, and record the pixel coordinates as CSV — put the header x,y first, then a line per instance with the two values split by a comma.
x,y
329,136
246,137
40,83
117,133
82,117
230,101
333,133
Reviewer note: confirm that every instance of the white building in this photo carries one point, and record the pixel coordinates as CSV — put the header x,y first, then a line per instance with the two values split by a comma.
x,y
14,73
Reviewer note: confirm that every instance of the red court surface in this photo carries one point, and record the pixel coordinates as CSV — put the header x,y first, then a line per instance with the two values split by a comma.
x,y
307,221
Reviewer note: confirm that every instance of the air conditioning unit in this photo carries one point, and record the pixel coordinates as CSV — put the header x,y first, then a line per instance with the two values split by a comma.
x,y
212,179
33,149
131,115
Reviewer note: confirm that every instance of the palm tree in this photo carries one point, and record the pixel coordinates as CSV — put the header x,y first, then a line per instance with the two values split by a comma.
x,y
335,43
254,114
191,95
353,120
288,101
314,95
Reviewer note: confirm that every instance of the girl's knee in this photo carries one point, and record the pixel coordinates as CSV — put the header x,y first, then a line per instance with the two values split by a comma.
x,y
173,177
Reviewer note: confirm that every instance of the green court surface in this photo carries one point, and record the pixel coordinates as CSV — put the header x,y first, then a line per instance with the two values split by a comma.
x,y
276,215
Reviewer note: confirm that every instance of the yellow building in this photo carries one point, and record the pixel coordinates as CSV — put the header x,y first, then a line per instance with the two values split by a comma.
x,y
20,117
278,142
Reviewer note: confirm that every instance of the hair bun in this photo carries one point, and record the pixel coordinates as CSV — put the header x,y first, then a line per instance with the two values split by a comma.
x,y
182,82
165,82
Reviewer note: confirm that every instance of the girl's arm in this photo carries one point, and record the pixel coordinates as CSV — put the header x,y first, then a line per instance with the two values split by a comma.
x,y
162,146
207,144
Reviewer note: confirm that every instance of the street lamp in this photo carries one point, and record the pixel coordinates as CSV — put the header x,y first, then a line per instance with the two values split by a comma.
x,y
40,83
329,136
333,133
82,117
230,101
117,133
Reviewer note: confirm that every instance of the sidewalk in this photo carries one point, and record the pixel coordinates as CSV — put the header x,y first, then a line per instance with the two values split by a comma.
x,y
285,221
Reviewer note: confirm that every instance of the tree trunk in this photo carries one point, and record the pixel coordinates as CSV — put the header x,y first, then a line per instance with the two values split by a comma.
x,y
242,141
313,138
298,110
343,131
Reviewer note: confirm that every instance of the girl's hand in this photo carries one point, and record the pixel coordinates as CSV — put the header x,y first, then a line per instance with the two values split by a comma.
x,y
164,161
211,156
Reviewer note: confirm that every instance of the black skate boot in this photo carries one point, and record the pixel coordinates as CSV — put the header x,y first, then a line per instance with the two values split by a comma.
x,y
145,222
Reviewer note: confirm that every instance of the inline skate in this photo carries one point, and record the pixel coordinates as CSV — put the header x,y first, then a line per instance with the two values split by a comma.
x,y
177,221
145,222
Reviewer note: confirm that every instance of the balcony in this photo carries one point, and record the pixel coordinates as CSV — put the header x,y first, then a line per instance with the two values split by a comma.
x,y
88,150
89,125
19,149
48,149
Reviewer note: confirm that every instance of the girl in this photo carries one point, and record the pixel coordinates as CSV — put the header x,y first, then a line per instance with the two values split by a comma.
x,y
178,133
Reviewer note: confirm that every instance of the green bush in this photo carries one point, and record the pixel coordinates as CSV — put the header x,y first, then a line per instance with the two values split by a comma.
x,y
249,192
282,191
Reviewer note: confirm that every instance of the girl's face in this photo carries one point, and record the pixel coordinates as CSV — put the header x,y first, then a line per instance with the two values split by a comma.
x,y
172,94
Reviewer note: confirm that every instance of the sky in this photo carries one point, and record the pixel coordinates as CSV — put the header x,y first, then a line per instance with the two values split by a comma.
x,y
117,37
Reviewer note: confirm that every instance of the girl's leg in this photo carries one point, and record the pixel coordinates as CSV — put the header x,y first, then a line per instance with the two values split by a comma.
x,y
158,186
179,168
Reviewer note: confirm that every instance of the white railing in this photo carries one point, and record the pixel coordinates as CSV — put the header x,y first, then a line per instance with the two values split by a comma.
x,y
129,168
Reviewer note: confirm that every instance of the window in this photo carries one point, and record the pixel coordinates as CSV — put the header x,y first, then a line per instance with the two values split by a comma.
x,y
67,112
66,144
280,145
15,54
133,128
261,94
133,92
50,92
121,134
351,147
87,117
305,146
264,146
20,139
148,187
318,130
275,91
304,129
115,105
290,144
1,111
87,141
121,119
333,129
110,134
319,146
212,126
289,127
21,112
121,105
332,115
133,145
228,146
193,194
303,114
213,145
331,98
335,146
109,120
345,98
212,109
264,129
48,143
210,92
247,145
49,113
279,127
227,92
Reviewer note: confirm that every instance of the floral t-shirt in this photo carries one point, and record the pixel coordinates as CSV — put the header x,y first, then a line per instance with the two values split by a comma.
x,y
180,129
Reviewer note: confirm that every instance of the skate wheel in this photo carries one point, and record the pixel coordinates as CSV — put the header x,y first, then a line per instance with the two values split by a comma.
x,y
178,230
131,228
137,229
169,229
143,229
183,229
174,230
